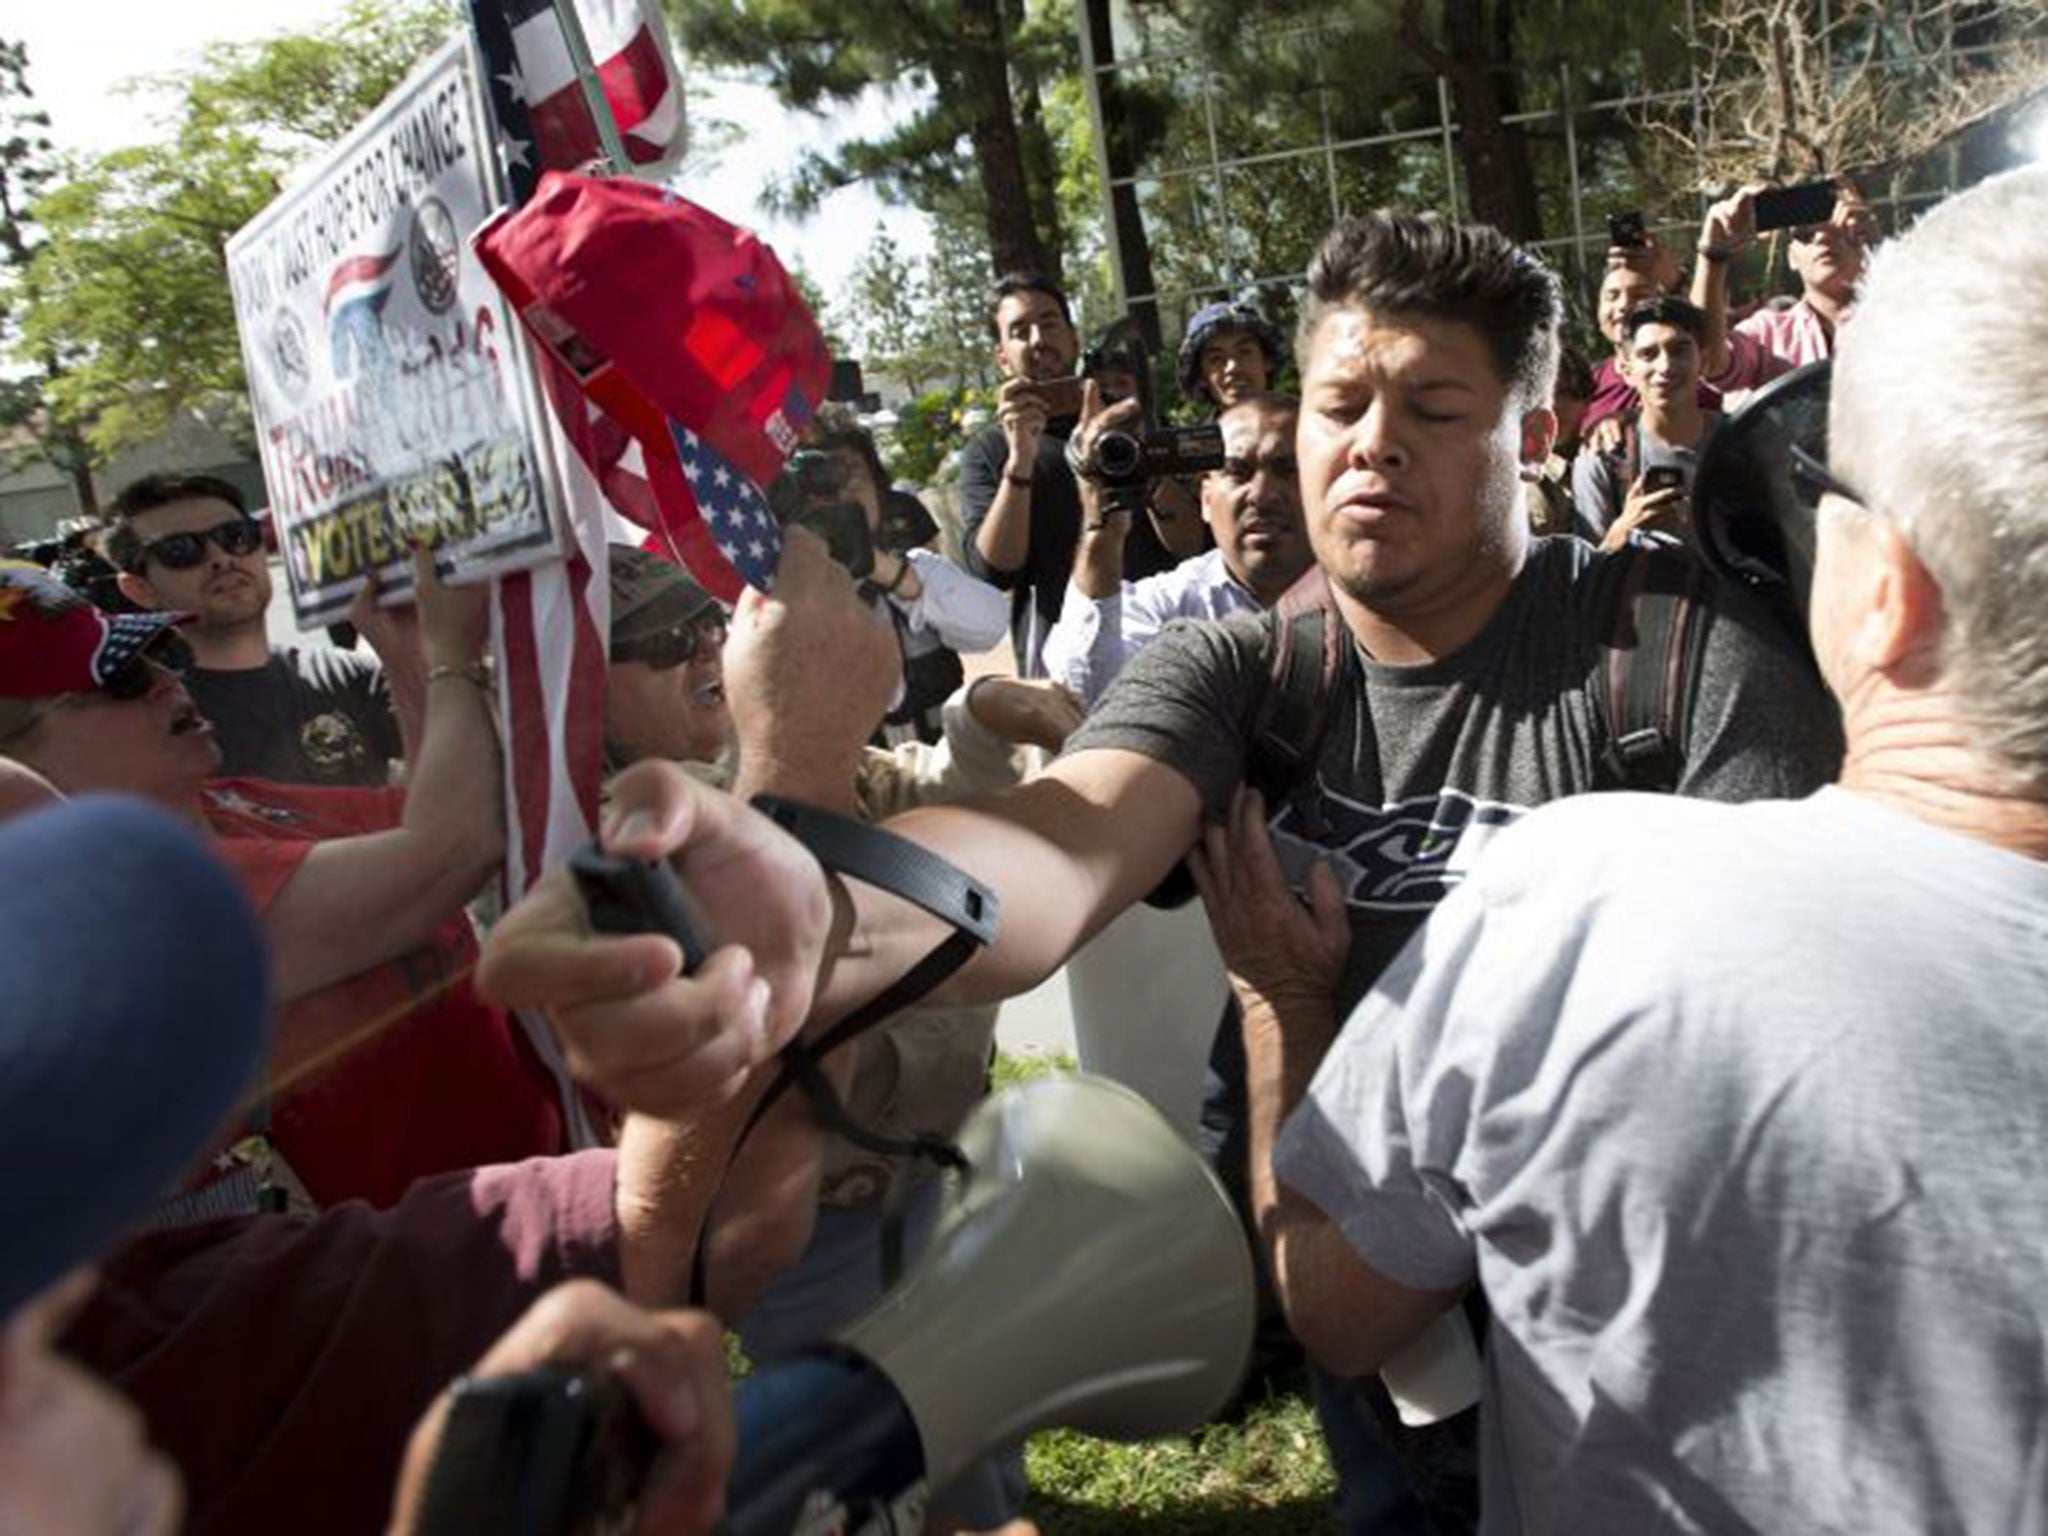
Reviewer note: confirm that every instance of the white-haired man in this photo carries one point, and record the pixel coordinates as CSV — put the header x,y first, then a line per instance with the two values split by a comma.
x,y
1733,1112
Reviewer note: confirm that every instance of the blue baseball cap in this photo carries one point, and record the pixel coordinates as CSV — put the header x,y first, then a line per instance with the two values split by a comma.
x,y
1212,321
134,1013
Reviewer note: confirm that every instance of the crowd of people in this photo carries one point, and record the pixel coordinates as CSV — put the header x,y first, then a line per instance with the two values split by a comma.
x,y
1641,965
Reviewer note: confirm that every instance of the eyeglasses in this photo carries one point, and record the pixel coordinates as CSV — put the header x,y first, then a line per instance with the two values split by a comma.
x,y
182,551
668,648
1814,479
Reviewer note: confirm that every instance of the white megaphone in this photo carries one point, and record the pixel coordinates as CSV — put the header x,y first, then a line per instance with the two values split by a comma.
x,y
1088,1272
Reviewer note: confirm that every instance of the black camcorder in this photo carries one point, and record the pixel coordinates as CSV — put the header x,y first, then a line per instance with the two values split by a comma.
x,y
1137,458
1125,464
811,493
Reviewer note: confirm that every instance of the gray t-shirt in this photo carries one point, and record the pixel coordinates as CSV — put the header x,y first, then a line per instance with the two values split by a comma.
x,y
1736,1115
1601,482
1424,766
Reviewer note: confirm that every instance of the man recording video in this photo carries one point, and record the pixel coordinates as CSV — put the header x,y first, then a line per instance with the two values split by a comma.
x,y
1020,509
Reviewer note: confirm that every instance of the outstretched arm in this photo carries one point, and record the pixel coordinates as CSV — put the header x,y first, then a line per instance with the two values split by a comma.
x,y
356,902
1285,957
1063,854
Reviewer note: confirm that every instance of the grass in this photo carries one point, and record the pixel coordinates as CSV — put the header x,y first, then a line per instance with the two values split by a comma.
x,y
1263,1471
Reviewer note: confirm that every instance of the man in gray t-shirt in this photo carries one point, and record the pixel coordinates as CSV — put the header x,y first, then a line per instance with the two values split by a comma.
x,y
1427,360
1735,1113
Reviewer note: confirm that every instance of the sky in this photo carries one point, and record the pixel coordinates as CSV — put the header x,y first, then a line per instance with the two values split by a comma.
x,y
79,54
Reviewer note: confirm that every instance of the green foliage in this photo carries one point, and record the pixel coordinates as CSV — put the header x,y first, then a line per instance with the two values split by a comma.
x,y
927,430
1264,1473
920,320
968,74
32,424
128,291
1010,1070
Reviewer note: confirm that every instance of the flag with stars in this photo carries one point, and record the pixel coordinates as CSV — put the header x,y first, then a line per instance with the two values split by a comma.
x,y
687,333
542,113
734,510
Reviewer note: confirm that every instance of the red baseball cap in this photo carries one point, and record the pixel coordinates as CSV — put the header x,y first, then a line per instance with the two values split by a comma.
x,y
53,641
686,332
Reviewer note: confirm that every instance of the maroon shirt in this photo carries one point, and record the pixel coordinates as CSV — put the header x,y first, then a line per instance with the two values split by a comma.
x,y
282,1361
1612,394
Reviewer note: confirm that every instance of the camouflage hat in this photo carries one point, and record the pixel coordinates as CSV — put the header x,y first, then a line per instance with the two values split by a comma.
x,y
651,596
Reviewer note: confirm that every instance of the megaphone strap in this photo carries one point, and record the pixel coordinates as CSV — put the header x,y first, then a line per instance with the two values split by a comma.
x,y
921,877
888,862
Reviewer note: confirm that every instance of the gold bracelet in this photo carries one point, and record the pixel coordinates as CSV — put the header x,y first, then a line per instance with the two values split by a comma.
x,y
470,672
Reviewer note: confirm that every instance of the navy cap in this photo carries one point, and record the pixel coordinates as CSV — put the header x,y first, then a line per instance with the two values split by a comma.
x,y
1212,321
134,1013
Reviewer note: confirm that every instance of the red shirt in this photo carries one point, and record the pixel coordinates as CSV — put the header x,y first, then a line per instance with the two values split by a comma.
x,y
439,1080
1612,394
282,1361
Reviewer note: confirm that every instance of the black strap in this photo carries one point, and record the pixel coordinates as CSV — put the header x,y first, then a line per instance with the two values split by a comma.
x,y
892,863
1312,652
1650,667
921,877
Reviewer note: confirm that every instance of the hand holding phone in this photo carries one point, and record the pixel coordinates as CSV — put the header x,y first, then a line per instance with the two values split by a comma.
x,y
638,896
1811,202
557,1427
1625,231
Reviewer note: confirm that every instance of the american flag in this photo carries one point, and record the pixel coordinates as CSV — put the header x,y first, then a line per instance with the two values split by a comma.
x,y
732,507
550,625
629,47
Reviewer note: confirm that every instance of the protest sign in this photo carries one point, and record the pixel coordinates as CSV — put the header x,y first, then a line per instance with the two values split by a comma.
x,y
392,394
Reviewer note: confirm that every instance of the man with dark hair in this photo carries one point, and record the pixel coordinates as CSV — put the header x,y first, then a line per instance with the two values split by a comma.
x,y
1732,1112
1645,485
1019,509
1230,353
1467,661
293,714
1828,258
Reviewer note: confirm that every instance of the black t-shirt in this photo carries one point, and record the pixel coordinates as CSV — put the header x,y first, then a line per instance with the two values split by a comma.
x,y
309,715
1423,766
1038,589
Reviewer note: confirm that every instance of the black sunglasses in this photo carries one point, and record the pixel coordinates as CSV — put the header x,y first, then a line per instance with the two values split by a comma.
x,y
667,648
1814,479
182,551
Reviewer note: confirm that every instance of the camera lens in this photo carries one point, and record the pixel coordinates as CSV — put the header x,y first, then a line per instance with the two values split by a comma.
x,y
1118,455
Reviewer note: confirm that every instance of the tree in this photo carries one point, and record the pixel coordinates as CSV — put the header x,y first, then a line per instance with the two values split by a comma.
x,y
128,288
1199,84
1796,89
28,420
973,70
884,311
922,320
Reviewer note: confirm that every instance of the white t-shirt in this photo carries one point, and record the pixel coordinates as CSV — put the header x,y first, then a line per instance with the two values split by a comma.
x,y
1739,1115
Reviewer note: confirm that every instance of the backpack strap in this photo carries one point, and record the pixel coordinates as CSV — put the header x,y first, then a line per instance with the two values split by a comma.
x,y
1649,668
1311,650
